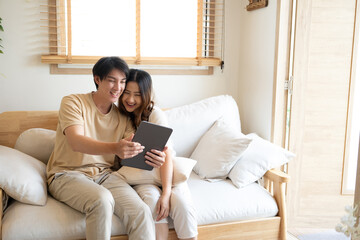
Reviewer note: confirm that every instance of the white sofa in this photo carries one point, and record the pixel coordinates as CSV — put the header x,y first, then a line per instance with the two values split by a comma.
x,y
248,211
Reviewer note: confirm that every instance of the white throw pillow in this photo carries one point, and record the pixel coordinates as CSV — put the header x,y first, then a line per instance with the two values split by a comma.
x,y
182,169
190,122
218,150
37,142
22,177
260,157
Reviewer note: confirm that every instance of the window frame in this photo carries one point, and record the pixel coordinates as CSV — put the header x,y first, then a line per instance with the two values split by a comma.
x,y
210,36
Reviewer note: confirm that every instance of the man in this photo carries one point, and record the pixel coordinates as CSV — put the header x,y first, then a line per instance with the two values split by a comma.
x,y
90,132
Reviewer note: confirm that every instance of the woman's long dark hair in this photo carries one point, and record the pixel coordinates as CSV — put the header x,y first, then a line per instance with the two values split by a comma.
x,y
143,79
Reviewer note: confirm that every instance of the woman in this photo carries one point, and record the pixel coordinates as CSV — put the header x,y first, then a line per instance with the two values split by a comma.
x,y
136,102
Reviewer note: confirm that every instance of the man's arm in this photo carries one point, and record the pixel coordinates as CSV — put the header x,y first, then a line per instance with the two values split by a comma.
x,y
80,143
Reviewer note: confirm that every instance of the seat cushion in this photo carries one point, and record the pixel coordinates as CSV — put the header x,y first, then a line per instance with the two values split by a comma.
x,y
215,202
54,221
221,201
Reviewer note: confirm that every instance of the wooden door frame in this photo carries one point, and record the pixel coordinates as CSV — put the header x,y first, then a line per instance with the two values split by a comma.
x,y
281,71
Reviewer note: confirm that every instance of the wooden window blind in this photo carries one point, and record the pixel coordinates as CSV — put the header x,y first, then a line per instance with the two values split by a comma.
x,y
126,36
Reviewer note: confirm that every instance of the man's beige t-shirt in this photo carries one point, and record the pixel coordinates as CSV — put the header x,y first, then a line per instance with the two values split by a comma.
x,y
80,109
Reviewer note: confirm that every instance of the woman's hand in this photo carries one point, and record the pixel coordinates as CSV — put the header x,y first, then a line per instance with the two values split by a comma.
x,y
163,207
155,158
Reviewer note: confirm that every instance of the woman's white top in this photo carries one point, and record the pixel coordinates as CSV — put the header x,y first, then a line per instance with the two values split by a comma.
x,y
158,116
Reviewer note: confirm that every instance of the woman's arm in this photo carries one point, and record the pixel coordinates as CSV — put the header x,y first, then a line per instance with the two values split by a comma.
x,y
166,172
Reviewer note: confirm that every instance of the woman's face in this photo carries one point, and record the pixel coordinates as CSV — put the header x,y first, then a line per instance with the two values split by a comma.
x,y
131,97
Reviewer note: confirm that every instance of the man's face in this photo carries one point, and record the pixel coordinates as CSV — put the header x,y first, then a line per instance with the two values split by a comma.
x,y
112,86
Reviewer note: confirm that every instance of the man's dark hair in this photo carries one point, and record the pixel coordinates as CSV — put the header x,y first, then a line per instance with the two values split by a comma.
x,y
106,64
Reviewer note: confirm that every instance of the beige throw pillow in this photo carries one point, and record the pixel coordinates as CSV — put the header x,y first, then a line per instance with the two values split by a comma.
x,y
22,177
37,142
134,176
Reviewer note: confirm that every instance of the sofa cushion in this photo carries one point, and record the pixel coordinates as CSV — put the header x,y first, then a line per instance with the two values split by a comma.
x,y
37,142
54,221
214,202
22,177
191,121
260,157
218,150
221,201
182,169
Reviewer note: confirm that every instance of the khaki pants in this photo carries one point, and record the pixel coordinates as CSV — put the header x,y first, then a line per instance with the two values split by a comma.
x,y
100,199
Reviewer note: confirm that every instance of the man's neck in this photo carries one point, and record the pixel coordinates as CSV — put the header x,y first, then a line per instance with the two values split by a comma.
x,y
103,106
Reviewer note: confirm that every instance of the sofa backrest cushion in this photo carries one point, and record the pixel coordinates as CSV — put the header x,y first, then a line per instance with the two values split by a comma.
x,y
190,122
37,142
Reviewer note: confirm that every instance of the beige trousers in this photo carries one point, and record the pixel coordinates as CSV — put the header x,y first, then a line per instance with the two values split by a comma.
x,y
182,210
100,199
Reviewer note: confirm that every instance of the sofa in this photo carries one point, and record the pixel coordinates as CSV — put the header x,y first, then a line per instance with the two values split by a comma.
x,y
236,183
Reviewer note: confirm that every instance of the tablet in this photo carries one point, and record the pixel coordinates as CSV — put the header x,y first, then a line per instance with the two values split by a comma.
x,y
151,136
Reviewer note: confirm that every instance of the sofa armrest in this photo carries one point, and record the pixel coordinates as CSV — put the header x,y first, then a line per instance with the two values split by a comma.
x,y
1,212
276,175
275,182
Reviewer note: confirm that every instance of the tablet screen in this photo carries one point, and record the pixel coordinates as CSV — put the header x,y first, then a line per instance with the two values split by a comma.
x,y
151,136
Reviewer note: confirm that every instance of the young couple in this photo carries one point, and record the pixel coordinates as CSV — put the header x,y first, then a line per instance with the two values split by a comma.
x,y
90,132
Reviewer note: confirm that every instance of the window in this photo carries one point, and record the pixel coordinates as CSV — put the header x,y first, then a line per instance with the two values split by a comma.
x,y
146,32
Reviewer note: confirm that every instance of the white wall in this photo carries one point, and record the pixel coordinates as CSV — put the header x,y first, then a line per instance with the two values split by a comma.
x,y
257,49
26,84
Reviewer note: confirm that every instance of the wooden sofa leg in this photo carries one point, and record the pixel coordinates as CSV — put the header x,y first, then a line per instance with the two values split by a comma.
x,y
279,194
